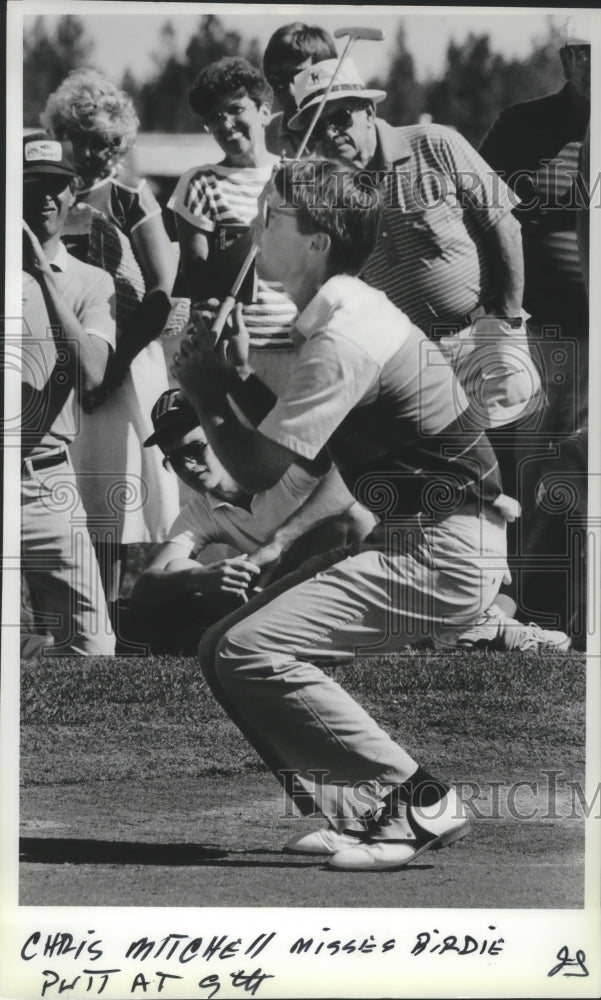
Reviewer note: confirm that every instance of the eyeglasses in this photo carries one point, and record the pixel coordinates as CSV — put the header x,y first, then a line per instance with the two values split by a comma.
x,y
194,452
96,143
582,55
338,119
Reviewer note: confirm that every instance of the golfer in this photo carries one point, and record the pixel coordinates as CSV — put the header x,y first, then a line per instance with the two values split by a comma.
x,y
371,392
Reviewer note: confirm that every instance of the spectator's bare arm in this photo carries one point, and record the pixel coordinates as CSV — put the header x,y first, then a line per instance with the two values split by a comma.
x,y
505,247
88,353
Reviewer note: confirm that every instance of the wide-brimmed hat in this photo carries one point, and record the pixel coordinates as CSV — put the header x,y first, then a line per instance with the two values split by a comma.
x,y
44,155
311,83
172,416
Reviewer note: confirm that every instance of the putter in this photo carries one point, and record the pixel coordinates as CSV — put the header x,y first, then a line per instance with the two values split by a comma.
x,y
354,34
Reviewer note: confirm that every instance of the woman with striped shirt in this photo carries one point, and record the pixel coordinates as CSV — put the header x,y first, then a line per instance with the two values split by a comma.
x,y
214,205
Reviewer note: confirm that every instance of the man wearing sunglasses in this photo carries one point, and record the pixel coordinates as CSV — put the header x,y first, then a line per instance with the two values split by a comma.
x,y
68,336
449,245
207,567
449,255
371,393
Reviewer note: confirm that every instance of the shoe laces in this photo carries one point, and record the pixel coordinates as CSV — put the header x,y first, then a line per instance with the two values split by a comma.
x,y
531,636
384,816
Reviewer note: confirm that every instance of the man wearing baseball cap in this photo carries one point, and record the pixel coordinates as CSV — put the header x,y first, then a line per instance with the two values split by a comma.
x,y
68,334
208,564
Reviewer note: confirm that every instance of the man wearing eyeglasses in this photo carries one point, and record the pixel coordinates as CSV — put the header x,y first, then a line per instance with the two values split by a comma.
x,y
220,541
371,393
449,246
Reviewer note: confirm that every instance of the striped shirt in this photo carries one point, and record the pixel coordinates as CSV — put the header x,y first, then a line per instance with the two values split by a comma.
x,y
222,202
98,230
554,181
440,198
381,396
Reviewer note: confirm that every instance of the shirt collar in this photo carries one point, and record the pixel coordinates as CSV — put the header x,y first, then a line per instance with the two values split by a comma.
x,y
97,184
391,148
60,261
328,299
215,502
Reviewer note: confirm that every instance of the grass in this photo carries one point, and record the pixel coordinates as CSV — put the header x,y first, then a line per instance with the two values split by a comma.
x,y
154,716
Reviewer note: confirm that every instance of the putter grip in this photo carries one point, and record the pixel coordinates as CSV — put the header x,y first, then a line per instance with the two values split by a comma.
x,y
361,34
221,318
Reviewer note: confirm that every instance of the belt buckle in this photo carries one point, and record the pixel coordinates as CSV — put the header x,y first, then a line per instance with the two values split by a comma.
x,y
27,468
29,464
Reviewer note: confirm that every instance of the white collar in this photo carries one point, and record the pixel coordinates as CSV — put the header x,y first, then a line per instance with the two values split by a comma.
x,y
60,261
97,184
328,299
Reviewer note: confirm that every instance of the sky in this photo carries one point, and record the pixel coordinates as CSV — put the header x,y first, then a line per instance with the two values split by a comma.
x,y
128,40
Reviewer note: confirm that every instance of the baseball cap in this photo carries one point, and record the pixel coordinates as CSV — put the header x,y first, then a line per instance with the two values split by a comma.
x,y
310,85
171,415
44,155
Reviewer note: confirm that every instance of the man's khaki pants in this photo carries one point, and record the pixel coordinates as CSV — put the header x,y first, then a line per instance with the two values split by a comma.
x,y
418,580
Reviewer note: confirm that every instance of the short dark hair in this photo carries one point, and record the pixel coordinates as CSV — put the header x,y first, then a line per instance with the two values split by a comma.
x,y
228,76
297,42
330,199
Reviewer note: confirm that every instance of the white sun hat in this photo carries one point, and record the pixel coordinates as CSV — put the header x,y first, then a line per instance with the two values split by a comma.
x,y
310,84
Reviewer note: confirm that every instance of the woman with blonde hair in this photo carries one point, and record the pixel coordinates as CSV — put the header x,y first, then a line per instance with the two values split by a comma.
x,y
117,224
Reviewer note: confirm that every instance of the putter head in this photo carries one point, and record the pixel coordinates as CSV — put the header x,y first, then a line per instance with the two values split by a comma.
x,y
367,34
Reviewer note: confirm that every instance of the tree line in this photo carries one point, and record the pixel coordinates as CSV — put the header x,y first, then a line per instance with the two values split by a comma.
x,y
474,85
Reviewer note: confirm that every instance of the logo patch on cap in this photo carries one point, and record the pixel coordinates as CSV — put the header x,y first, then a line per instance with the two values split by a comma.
x,y
46,150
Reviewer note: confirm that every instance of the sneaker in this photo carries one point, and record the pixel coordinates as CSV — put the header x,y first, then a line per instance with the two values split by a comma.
x,y
398,839
531,637
484,632
324,841
498,632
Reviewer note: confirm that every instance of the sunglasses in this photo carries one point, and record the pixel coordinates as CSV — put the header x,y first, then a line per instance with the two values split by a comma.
x,y
339,119
48,184
192,452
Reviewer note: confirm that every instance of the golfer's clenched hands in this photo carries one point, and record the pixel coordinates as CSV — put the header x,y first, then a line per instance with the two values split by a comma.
x,y
203,368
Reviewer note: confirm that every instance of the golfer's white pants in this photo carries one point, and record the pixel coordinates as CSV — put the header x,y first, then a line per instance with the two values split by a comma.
x,y
261,662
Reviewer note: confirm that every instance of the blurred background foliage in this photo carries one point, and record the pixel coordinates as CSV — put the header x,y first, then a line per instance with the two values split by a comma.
x,y
475,82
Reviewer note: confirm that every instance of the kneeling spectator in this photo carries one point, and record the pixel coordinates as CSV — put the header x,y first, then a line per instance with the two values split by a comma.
x,y
179,595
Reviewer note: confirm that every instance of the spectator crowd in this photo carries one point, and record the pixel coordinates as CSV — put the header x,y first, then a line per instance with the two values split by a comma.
x,y
368,455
